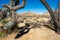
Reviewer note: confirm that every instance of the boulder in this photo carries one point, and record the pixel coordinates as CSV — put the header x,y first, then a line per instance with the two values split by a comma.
x,y
1,25
21,25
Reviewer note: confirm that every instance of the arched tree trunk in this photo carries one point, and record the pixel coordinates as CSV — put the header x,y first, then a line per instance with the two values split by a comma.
x,y
56,22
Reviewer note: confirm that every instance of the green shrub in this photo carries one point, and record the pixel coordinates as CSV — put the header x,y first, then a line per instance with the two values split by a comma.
x,y
1,34
4,21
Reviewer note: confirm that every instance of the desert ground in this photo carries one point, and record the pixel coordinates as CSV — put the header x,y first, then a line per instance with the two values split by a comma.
x,y
38,33
42,33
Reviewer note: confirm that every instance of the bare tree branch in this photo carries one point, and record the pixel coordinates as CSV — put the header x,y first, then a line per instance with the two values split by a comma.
x,y
56,22
19,6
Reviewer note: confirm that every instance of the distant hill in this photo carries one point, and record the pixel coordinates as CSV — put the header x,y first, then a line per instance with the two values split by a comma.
x,y
46,14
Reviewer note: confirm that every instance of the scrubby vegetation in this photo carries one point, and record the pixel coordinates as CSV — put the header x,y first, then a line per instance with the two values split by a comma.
x,y
26,22
1,34
4,21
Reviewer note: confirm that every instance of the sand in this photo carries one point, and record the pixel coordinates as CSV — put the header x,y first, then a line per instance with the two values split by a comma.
x,y
42,33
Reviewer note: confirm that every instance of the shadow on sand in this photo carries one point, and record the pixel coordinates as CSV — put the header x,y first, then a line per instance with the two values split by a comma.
x,y
22,31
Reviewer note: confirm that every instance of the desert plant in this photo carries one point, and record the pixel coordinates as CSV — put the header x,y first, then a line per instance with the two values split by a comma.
x,y
1,34
3,13
4,21
52,14
13,7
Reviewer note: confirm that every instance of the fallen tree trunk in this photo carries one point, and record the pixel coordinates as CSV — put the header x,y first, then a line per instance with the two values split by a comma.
x,y
10,24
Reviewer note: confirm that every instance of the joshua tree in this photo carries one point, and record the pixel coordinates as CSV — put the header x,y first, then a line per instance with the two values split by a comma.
x,y
1,16
16,2
55,20
14,6
3,12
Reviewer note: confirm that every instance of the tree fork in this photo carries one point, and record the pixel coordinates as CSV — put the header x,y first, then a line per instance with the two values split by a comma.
x,y
13,9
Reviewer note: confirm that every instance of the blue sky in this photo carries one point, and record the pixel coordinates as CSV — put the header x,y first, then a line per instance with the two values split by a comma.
x,y
33,5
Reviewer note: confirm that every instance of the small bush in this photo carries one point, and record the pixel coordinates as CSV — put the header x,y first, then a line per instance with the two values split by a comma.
x,y
4,21
1,34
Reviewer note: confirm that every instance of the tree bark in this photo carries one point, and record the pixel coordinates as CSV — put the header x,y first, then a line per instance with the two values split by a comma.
x,y
56,22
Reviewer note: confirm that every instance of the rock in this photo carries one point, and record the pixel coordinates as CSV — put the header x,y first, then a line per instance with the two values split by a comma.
x,y
1,24
20,20
21,25
9,19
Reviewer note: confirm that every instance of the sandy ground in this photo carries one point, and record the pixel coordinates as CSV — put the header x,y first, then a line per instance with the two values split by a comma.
x,y
42,33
